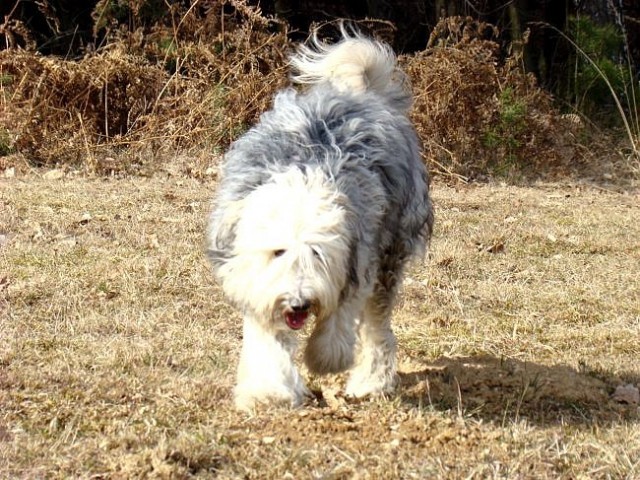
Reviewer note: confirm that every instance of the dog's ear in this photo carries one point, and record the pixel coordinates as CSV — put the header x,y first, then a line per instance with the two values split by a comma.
x,y
222,232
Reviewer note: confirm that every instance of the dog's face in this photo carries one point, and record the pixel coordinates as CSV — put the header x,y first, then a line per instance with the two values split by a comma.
x,y
291,249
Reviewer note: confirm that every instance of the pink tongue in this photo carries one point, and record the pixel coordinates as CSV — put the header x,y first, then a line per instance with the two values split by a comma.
x,y
295,320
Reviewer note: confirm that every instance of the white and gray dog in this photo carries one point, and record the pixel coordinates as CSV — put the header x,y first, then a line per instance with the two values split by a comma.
x,y
320,207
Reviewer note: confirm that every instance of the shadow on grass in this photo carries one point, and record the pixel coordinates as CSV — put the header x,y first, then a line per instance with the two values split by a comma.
x,y
498,389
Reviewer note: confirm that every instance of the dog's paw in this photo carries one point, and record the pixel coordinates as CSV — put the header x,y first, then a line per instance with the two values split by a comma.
x,y
360,385
248,399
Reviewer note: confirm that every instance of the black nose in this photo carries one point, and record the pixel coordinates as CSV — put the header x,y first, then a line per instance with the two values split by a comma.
x,y
299,305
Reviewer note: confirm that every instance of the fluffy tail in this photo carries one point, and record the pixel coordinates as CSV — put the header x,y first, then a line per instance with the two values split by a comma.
x,y
355,64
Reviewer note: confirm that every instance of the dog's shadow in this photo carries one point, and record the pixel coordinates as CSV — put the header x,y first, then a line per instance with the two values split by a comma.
x,y
497,389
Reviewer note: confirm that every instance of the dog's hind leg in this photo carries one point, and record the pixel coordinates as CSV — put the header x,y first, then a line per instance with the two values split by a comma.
x,y
266,372
375,365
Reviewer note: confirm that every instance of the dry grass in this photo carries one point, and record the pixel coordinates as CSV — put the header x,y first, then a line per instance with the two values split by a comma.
x,y
118,351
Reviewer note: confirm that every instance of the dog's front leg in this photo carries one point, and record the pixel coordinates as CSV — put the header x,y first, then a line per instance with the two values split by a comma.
x,y
266,372
330,347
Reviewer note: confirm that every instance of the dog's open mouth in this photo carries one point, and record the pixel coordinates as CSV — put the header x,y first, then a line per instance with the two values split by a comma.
x,y
295,320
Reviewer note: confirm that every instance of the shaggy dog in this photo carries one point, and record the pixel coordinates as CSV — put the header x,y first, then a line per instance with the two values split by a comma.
x,y
320,207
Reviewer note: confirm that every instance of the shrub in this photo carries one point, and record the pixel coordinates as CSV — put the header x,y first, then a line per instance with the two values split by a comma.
x,y
477,113
148,94
589,92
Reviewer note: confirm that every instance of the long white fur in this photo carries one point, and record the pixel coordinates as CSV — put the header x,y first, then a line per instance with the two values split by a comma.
x,y
375,368
355,64
267,205
266,371
297,213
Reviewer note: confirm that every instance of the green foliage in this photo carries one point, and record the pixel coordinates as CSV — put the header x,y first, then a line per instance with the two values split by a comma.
x,y
6,80
125,12
167,46
590,94
5,142
504,135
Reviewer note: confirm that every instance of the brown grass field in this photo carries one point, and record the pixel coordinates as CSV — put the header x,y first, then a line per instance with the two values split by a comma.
x,y
118,351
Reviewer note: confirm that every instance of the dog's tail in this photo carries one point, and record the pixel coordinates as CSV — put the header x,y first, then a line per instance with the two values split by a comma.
x,y
355,64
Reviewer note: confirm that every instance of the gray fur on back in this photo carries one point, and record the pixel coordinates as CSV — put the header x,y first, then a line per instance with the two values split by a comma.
x,y
366,144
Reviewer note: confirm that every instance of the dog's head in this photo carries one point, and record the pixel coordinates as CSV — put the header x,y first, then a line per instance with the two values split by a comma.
x,y
290,252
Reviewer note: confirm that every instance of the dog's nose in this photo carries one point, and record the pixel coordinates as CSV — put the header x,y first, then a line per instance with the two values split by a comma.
x,y
299,305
